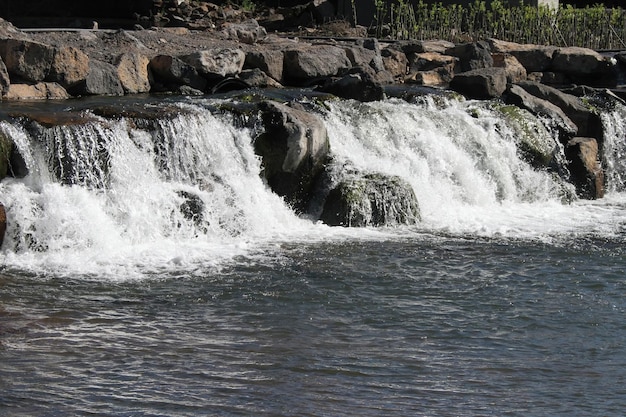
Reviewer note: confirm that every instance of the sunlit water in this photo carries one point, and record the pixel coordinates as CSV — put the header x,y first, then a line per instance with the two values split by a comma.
x,y
502,301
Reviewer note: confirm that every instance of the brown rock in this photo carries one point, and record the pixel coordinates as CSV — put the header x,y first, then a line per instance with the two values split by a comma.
x,y
132,70
585,168
535,58
69,66
3,223
39,91
395,62
515,72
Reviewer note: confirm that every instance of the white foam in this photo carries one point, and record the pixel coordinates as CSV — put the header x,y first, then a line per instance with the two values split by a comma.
x,y
123,220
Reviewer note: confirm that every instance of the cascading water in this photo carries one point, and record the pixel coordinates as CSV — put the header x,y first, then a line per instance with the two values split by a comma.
x,y
122,196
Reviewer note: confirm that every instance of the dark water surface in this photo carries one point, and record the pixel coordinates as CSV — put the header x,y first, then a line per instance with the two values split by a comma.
x,y
414,327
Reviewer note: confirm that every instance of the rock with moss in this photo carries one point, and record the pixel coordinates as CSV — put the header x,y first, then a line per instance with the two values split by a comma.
x,y
537,146
371,200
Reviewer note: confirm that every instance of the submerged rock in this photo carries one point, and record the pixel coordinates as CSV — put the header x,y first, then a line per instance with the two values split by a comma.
x,y
371,200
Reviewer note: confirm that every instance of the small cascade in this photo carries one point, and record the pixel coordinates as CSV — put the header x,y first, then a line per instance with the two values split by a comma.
x,y
614,148
456,156
183,187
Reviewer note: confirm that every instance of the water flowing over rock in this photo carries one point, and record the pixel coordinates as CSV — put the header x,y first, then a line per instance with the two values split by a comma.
x,y
586,119
294,149
520,97
3,223
371,200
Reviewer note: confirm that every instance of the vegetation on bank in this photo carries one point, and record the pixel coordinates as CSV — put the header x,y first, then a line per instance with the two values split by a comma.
x,y
595,27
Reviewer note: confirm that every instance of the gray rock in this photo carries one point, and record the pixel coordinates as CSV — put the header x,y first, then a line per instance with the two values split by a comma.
x,y
247,32
481,83
294,148
5,80
371,200
257,78
26,60
38,91
319,61
101,80
535,58
359,84
216,63
173,71
575,60
270,62
472,55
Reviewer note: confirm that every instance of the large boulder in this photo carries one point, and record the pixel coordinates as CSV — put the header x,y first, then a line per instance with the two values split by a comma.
x,y
576,60
25,60
587,120
518,96
371,200
319,61
216,63
535,58
171,71
268,61
472,56
483,83
294,148
586,172
102,80
132,71
395,62
70,66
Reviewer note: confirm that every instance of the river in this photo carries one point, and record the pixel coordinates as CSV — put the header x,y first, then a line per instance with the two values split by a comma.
x,y
504,300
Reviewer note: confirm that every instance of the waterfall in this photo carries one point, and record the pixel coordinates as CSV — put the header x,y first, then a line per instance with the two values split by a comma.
x,y
124,196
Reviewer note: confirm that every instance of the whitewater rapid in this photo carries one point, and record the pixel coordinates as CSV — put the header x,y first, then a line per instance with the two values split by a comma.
x,y
116,212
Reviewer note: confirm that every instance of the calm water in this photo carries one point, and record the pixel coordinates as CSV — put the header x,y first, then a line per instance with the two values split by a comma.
x,y
428,326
